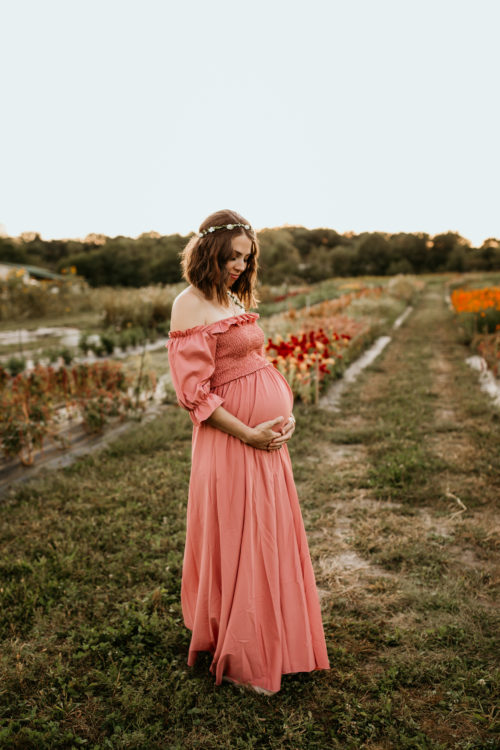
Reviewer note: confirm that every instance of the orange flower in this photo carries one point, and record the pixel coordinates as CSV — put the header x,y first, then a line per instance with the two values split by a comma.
x,y
476,300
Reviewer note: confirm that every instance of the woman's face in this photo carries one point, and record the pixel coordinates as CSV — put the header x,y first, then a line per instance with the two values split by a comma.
x,y
237,263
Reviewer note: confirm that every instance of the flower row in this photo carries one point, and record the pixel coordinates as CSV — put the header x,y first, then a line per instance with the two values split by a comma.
x,y
476,300
307,359
478,311
326,336
33,404
313,357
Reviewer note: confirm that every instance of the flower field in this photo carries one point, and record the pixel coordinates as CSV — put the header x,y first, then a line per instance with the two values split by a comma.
x,y
307,360
478,312
310,346
33,404
320,340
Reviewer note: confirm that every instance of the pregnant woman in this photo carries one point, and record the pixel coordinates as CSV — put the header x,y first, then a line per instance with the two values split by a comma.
x,y
248,590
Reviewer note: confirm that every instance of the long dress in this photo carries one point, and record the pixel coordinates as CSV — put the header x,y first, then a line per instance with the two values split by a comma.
x,y
248,591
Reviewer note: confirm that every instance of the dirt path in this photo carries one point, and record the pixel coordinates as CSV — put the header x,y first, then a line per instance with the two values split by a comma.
x,y
405,546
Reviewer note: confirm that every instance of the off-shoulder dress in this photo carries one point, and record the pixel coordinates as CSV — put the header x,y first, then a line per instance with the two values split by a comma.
x,y
248,590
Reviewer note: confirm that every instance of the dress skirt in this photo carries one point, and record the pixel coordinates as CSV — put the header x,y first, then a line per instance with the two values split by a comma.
x,y
248,590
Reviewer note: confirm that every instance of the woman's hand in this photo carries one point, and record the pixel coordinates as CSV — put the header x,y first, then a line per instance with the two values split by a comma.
x,y
285,435
263,434
265,438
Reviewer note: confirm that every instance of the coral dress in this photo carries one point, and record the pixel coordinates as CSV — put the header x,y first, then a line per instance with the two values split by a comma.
x,y
248,590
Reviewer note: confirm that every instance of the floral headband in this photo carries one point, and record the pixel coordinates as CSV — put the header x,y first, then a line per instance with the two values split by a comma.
x,y
222,226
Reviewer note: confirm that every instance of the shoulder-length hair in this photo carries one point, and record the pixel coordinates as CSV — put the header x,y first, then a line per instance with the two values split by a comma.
x,y
204,259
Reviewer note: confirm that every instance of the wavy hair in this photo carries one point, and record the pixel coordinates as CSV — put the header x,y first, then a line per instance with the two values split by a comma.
x,y
204,259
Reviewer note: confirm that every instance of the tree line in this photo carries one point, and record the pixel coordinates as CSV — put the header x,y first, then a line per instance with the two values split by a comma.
x,y
288,255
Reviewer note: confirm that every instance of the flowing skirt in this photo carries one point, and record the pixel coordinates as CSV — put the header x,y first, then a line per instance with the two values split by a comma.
x,y
248,589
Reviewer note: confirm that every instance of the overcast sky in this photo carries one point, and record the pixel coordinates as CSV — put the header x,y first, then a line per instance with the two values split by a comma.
x,y
125,116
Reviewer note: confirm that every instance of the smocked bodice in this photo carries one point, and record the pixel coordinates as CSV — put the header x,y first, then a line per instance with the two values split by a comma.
x,y
204,357
239,351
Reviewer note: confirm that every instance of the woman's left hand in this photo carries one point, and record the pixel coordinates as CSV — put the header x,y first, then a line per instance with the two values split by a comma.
x,y
285,436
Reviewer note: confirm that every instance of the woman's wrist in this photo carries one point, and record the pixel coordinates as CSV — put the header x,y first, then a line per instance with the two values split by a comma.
x,y
227,422
247,435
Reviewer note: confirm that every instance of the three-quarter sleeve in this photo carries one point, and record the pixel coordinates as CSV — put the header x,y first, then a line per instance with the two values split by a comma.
x,y
191,355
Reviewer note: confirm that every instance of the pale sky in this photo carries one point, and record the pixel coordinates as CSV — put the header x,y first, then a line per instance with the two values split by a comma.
x,y
126,116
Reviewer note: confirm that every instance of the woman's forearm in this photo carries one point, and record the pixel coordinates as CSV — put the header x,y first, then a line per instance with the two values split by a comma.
x,y
227,422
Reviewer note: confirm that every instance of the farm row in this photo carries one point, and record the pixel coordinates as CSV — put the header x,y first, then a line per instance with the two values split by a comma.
x,y
40,402
310,346
478,312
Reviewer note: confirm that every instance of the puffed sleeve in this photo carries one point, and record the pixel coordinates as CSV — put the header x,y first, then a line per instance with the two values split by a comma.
x,y
191,355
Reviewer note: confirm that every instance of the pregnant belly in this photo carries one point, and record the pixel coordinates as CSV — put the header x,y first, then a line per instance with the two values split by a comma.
x,y
258,397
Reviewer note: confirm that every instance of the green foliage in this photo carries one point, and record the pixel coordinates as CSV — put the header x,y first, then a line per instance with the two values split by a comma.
x,y
108,341
51,354
83,343
15,365
288,254
67,355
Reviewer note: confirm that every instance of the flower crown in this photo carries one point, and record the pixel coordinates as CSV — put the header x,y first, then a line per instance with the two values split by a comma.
x,y
222,226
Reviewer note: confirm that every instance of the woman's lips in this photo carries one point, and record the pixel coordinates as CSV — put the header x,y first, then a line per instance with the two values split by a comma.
x,y
235,275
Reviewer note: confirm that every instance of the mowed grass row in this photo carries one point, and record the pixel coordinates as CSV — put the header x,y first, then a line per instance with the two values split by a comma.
x,y
93,645
418,504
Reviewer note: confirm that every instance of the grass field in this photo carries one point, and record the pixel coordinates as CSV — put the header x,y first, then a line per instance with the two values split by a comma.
x,y
399,492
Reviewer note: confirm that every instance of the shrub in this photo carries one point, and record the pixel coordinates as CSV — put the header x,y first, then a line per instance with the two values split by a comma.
x,y
67,355
108,341
15,365
83,343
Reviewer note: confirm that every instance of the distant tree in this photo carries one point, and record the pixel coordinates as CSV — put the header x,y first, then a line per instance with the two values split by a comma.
x,y
411,248
373,254
402,265
55,251
343,260
12,251
301,238
487,257
165,268
279,258
95,239
441,248
288,255
456,260
319,265
92,266
490,243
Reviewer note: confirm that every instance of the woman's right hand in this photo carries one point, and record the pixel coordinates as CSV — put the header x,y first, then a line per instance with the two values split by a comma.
x,y
261,435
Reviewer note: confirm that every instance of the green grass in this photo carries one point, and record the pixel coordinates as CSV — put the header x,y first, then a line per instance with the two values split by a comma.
x,y
93,647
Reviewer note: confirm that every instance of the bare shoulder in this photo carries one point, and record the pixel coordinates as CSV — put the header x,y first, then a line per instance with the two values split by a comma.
x,y
188,311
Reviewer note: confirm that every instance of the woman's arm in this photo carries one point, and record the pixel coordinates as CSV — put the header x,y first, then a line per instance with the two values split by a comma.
x,y
258,437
